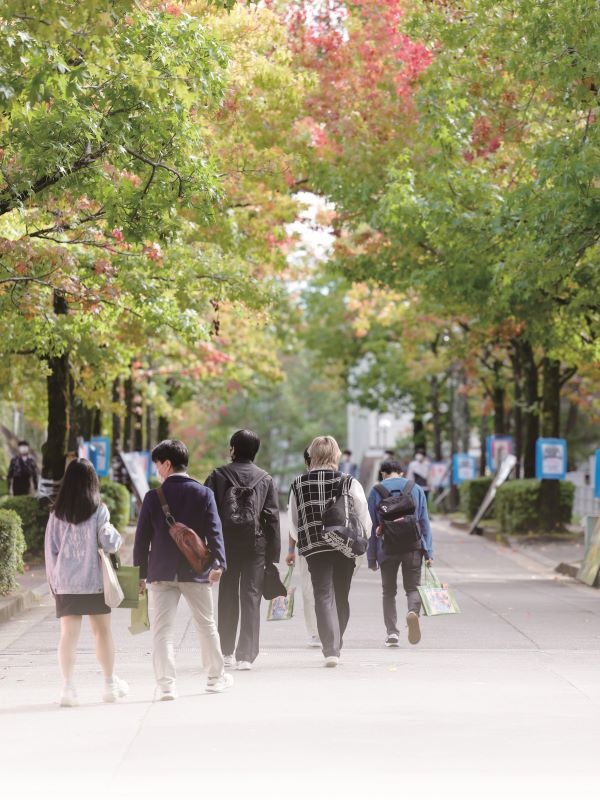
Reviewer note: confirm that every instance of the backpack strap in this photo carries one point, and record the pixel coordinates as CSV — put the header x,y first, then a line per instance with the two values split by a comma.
x,y
233,480
382,491
410,485
343,486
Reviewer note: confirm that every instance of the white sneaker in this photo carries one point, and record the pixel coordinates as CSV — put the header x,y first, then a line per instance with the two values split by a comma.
x,y
392,640
219,684
414,629
332,661
229,661
244,665
167,694
112,691
314,641
68,697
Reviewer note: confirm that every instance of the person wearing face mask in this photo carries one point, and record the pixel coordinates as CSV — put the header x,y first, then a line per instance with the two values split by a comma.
x,y
418,471
169,574
22,472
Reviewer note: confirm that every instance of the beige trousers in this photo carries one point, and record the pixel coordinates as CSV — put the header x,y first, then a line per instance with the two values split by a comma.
x,y
198,596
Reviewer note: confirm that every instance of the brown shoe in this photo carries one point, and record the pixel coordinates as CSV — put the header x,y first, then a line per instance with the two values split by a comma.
x,y
414,629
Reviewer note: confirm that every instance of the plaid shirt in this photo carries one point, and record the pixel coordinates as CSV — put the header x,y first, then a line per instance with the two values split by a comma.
x,y
309,495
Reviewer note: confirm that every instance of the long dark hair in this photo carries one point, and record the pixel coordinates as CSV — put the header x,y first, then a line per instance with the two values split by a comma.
x,y
79,493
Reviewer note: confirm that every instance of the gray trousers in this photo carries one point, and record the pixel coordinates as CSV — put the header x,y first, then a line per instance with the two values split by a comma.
x,y
411,579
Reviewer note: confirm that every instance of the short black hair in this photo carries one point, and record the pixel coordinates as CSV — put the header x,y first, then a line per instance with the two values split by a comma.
x,y
23,442
79,493
390,465
306,455
172,450
245,444
346,452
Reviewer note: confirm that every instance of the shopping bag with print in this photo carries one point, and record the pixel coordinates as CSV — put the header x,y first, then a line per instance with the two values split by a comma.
x,y
140,621
113,594
283,607
129,581
436,597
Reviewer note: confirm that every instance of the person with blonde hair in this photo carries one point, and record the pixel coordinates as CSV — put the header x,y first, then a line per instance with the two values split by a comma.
x,y
330,570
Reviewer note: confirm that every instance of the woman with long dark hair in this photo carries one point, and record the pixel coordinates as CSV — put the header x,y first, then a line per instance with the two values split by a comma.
x,y
78,525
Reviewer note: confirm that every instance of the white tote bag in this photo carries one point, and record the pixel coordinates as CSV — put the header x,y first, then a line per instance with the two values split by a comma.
x,y
113,594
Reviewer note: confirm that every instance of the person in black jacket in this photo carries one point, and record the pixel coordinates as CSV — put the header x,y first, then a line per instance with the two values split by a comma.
x,y
247,502
22,472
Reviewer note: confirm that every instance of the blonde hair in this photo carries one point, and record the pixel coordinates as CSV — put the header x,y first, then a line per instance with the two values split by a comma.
x,y
324,453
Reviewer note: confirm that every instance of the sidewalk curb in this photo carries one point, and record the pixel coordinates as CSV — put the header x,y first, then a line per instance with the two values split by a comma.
x,y
22,601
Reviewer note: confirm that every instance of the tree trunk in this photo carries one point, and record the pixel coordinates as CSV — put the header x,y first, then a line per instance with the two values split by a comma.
x,y
163,429
498,397
138,424
483,432
419,438
436,417
531,421
518,407
116,417
128,425
54,450
550,489
149,428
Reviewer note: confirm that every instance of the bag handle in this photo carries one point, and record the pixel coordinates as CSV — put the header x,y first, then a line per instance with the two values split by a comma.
x,y
288,577
382,491
165,506
344,485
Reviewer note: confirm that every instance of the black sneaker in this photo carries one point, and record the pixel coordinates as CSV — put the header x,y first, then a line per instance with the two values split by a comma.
x,y
393,640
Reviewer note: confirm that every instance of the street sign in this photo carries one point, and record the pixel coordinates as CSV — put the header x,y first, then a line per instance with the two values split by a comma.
x,y
464,468
439,474
597,474
137,470
551,459
102,445
497,448
89,451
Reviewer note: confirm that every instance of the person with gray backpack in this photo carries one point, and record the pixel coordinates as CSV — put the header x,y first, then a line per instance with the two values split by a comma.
x,y
400,538
247,503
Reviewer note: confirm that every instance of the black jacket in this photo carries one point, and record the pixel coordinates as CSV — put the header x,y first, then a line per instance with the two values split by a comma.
x,y
246,472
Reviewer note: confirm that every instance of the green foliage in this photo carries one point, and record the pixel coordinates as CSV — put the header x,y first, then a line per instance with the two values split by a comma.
x,y
34,517
518,505
117,499
472,494
12,547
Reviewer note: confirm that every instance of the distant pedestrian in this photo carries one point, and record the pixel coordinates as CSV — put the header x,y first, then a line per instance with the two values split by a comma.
x,y
418,471
22,474
330,570
170,576
246,498
78,524
347,466
409,557
308,595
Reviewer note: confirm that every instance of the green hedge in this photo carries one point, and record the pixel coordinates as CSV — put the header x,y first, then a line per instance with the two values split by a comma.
x,y
34,517
518,505
118,501
472,494
12,547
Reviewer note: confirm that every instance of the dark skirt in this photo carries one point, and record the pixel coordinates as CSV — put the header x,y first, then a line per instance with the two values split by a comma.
x,y
80,605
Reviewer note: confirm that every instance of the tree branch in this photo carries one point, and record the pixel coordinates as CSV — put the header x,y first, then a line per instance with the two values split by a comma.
x,y
157,165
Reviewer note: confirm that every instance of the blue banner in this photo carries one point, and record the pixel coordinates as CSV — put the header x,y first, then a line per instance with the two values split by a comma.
x,y
464,468
102,465
551,459
497,448
597,474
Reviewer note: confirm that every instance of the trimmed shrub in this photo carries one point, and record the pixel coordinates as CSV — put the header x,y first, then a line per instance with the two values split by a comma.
x,y
518,505
12,547
472,494
117,499
34,518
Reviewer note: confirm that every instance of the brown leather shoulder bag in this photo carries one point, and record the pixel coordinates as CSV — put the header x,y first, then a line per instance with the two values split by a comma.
x,y
196,553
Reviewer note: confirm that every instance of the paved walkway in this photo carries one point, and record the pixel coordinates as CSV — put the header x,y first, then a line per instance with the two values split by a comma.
x,y
502,698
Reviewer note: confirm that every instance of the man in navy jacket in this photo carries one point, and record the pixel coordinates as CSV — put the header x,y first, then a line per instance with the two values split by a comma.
x,y
167,571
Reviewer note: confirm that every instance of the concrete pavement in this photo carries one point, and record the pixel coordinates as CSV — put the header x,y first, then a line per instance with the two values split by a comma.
x,y
502,698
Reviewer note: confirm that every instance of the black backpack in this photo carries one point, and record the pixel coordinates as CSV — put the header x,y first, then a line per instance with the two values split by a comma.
x,y
399,526
240,511
342,528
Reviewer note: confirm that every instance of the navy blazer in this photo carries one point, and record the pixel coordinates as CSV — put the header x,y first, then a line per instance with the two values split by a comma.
x,y
155,552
